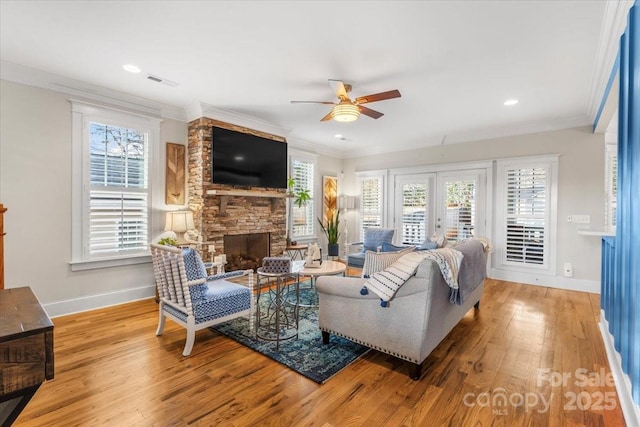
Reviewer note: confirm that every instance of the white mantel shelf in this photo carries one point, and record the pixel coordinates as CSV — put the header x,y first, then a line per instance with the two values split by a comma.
x,y
247,193
225,194
601,233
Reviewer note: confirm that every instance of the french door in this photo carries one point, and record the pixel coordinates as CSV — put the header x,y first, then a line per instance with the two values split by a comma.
x,y
444,203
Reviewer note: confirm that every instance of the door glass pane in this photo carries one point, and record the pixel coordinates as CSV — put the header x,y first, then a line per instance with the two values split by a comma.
x,y
460,209
414,213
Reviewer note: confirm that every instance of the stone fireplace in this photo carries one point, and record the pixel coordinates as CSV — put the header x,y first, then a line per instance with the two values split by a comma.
x,y
223,210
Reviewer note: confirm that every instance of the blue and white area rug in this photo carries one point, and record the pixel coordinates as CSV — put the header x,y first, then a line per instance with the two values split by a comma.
x,y
306,355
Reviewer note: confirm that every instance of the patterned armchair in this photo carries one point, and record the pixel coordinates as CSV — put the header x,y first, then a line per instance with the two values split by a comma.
x,y
374,237
191,298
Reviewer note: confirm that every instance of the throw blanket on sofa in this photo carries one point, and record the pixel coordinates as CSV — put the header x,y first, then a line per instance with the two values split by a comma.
x,y
386,283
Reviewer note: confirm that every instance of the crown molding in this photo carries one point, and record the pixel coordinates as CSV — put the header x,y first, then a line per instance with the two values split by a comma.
x,y
33,77
311,147
202,109
613,25
479,135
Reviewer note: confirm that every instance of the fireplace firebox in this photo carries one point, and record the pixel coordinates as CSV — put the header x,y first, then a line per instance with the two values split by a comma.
x,y
245,251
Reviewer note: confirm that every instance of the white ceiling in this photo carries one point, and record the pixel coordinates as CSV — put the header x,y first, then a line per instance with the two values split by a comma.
x,y
455,62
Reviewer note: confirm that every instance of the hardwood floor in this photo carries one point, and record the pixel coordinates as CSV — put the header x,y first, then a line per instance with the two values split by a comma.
x,y
111,369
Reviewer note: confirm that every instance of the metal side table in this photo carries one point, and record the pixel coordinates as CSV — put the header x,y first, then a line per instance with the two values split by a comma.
x,y
278,321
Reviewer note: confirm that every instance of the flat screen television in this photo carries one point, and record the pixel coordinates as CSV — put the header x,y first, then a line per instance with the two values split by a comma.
x,y
247,160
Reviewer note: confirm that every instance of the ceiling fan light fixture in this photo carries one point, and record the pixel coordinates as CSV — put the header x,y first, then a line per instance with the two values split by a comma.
x,y
345,112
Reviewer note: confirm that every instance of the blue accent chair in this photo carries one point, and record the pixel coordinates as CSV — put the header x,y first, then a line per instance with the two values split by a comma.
x,y
191,298
374,237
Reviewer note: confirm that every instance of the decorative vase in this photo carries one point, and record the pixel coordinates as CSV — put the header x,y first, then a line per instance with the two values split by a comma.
x,y
333,249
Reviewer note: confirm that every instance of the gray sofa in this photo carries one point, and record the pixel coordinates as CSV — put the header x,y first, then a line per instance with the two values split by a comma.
x,y
417,319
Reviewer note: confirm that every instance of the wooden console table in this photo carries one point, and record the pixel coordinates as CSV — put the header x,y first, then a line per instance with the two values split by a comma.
x,y
26,350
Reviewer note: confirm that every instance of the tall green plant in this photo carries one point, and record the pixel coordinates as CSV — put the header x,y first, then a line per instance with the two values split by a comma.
x,y
331,230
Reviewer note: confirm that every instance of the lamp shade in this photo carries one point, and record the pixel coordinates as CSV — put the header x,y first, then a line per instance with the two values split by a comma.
x,y
179,221
347,202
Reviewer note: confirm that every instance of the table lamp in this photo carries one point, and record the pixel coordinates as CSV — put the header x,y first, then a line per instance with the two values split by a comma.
x,y
180,222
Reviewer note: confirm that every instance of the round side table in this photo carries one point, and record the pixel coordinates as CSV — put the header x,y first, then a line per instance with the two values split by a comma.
x,y
278,321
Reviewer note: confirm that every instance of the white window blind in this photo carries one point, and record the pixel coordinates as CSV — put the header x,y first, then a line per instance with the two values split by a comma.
x,y
302,219
414,213
371,203
118,202
526,215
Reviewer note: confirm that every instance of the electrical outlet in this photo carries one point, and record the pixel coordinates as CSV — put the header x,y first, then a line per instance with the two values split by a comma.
x,y
568,269
212,248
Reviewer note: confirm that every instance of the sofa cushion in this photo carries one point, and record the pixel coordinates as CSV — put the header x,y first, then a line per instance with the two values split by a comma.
x,y
378,261
385,283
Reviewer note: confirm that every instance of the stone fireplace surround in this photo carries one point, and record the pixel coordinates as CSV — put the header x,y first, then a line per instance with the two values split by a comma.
x,y
221,210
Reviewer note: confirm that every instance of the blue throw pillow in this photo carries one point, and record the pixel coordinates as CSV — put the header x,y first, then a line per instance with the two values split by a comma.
x,y
374,237
388,247
427,245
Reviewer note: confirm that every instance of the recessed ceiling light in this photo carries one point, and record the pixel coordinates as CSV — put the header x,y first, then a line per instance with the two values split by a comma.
x,y
511,102
337,135
131,68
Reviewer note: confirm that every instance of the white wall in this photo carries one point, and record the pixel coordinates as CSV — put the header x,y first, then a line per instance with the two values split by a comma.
x,y
35,186
580,188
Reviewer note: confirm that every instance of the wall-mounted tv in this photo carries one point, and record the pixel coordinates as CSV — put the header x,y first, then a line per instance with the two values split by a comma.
x,y
247,160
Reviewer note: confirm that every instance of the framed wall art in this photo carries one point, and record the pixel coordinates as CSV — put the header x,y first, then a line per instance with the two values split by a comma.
x,y
175,174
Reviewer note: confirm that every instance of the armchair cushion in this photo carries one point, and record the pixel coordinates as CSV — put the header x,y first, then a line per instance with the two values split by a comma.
x,y
388,247
374,237
194,267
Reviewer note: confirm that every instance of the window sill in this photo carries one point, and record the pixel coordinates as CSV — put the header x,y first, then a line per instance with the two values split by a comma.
x,y
109,262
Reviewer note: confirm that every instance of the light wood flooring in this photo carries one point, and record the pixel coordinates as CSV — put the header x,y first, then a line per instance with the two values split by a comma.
x,y
111,369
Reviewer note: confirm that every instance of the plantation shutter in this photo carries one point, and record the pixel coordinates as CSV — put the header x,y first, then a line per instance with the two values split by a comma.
x,y
371,203
414,213
302,217
527,204
118,208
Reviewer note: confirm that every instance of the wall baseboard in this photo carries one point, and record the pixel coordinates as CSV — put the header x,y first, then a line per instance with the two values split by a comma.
x,y
630,410
557,282
93,302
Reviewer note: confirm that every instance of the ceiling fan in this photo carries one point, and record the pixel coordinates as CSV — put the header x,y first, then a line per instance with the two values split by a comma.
x,y
347,110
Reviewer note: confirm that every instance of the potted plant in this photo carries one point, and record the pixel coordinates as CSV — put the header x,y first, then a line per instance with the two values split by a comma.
x,y
331,230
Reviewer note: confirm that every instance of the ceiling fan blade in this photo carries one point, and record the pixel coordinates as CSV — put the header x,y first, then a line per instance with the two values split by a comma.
x,y
369,112
327,117
313,102
378,97
338,88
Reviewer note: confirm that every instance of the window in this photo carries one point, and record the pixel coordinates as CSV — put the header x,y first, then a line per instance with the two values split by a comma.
x,y
526,198
371,190
302,217
112,194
